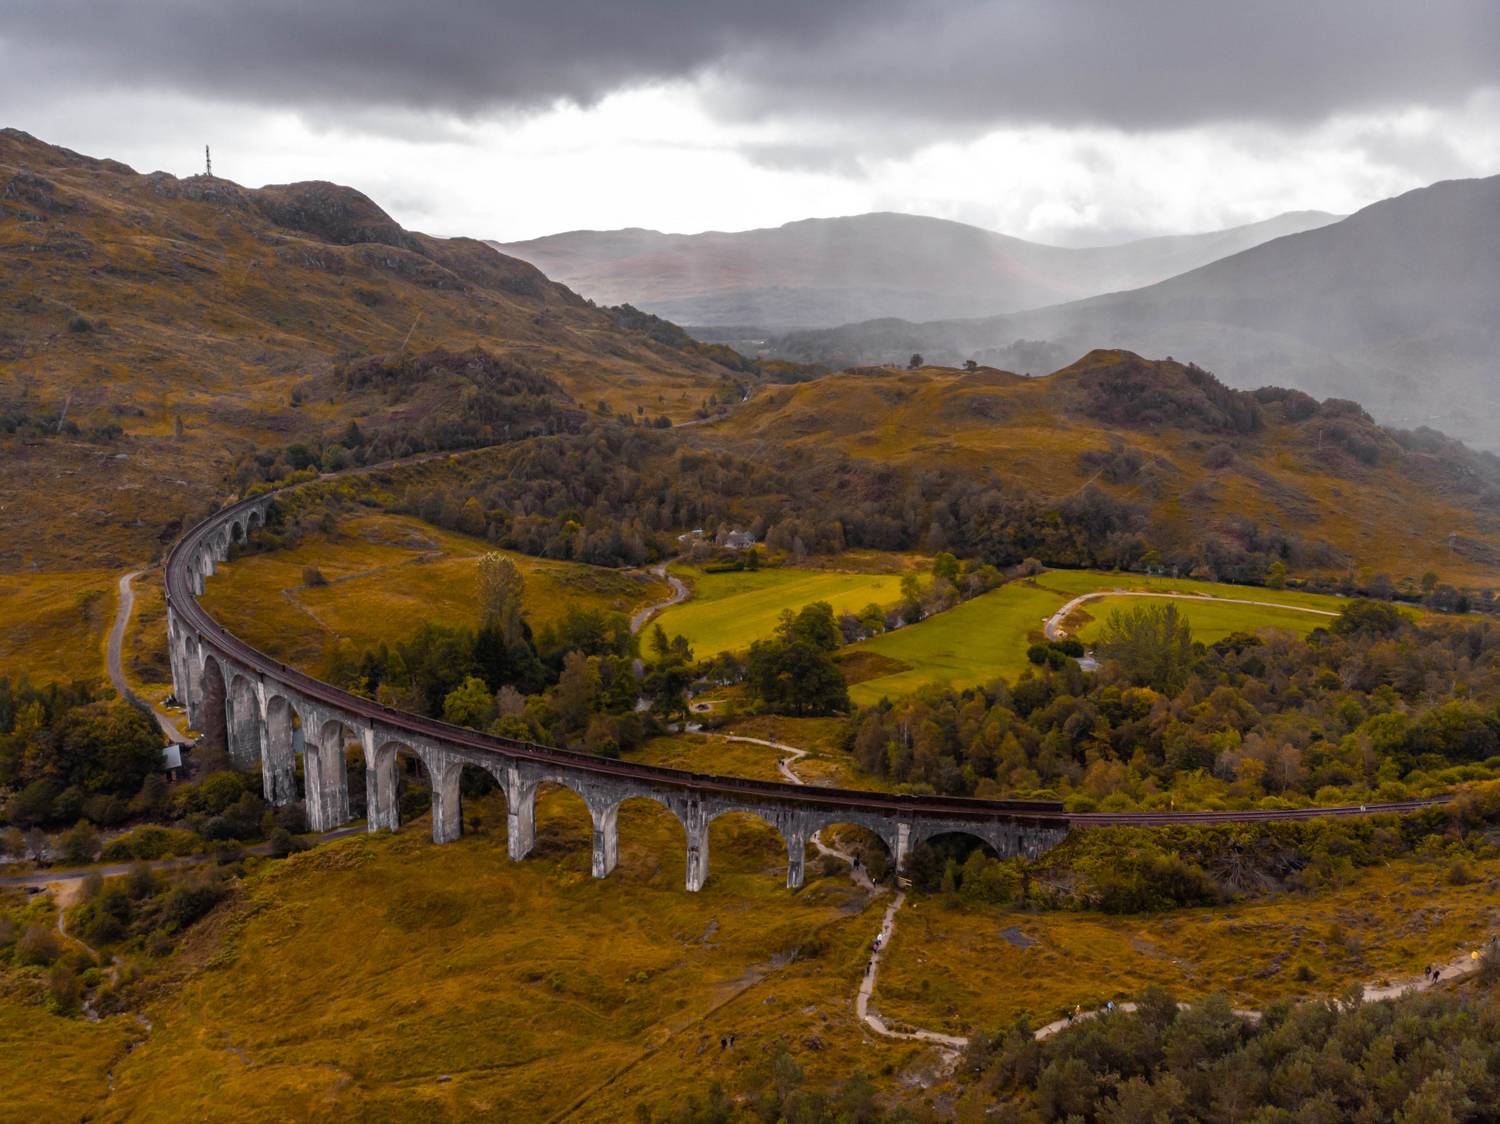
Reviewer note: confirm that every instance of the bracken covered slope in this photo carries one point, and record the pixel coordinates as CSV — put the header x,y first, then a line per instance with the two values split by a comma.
x,y
1199,460
141,301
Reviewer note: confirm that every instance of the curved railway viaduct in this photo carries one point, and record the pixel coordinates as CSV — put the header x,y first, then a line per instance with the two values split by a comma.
x,y
271,714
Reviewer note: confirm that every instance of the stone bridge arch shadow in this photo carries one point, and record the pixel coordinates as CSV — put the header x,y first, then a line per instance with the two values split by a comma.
x,y
943,860
483,808
398,786
213,717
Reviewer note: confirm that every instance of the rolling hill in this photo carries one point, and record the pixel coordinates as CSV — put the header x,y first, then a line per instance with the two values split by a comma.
x,y
1395,307
154,330
822,272
1161,455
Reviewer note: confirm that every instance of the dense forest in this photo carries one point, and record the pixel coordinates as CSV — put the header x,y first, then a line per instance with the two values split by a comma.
x,y
1375,704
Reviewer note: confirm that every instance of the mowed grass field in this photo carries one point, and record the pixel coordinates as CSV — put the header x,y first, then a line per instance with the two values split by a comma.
x,y
988,636
728,612
386,575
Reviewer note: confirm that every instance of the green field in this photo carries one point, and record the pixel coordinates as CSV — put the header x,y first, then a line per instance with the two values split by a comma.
x,y
1211,620
729,611
988,636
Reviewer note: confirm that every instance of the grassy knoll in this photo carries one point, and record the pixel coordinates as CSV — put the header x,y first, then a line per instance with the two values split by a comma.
x,y
826,762
385,977
385,576
708,753
955,969
729,611
53,625
988,636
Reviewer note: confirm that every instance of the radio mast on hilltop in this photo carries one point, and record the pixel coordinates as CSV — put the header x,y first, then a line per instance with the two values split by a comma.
x,y
208,162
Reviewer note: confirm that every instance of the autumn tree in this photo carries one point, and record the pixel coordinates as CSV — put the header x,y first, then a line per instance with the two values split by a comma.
x,y
501,592
1151,644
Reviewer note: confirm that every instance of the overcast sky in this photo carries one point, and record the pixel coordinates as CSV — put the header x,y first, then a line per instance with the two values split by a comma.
x,y
1072,121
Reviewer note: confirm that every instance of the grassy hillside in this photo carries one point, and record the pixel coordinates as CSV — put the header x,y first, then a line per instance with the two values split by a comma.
x,y
383,577
143,302
1210,471
387,978
454,983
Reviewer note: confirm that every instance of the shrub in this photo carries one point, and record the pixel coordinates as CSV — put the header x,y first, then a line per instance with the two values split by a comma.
x,y
152,841
79,844
37,947
189,902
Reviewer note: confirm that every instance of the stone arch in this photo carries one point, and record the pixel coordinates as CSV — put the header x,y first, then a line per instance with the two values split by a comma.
x,y
283,738
876,852
930,849
191,676
644,814
213,714
751,839
399,783
326,774
254,521
477,787
244,724
557,825
236,531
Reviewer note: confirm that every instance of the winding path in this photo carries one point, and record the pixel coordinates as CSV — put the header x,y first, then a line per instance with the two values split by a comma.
x,y
1460,966
116,665
680,593
1053,629
861,878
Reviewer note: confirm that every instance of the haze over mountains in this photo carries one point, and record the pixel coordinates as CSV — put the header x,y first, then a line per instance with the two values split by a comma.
x,y
1397,306
829,271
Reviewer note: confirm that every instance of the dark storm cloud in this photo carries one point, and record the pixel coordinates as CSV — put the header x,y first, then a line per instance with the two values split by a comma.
x,y
460,56
953,64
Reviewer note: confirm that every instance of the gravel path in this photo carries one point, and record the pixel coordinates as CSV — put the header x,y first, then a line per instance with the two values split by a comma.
x,y
116,664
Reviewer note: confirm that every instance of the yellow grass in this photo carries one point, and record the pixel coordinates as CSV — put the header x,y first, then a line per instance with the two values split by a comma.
x,y
53,625
955,970
385,977
386,576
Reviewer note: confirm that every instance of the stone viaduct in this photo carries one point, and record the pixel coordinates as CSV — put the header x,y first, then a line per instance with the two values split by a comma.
x,y
271,714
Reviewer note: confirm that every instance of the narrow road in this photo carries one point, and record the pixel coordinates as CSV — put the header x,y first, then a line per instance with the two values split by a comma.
x,y
116,665
680,593
1053,629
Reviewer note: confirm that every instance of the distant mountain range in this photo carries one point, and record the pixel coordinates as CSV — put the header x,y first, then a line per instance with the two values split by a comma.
x,y
824,272
1396,306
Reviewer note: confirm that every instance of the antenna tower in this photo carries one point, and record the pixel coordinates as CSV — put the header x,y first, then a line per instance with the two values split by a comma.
x,y
208,162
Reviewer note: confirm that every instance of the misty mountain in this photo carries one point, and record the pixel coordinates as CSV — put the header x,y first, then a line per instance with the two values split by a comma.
x,y
1397,306
823,272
